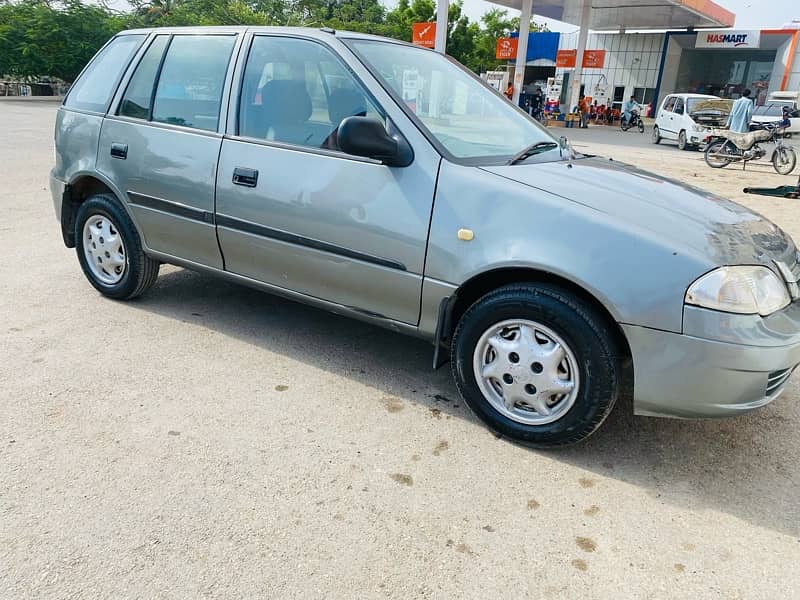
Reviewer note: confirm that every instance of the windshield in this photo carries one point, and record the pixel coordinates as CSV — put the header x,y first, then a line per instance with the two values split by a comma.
x,y
772,109
468,119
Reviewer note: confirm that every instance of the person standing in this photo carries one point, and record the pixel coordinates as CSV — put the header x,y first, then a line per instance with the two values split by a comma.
x,y
537,104
510,91
584,108
741,114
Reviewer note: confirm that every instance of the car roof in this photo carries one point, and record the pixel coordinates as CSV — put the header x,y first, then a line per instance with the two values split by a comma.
x,y
314,32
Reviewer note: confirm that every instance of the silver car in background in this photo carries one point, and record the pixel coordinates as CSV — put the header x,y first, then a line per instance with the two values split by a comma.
x,y
385,182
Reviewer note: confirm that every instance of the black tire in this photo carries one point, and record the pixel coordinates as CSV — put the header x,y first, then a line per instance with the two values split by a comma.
x,y
713,152
140,271
584,330
656,135
641,126
784,160
683,144
624,125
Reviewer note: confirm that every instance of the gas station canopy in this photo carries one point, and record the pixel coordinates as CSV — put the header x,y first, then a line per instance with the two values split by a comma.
x,y
633,14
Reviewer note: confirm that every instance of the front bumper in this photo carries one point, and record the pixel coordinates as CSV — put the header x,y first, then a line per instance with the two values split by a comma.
x,y
722,365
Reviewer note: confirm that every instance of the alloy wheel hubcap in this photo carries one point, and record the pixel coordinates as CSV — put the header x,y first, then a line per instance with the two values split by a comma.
x,y
526,371
104,249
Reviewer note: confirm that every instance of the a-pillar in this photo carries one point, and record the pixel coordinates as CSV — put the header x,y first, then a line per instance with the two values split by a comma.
x,y
522,48
442,7
575,82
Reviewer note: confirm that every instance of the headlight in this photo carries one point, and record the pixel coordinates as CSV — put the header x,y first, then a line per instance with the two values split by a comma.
x,y
744,289
697,127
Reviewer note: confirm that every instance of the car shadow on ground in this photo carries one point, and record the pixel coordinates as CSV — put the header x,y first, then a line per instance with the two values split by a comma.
x,y
743,467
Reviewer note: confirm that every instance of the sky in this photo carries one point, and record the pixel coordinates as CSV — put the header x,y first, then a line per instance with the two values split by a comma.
x,y
750,14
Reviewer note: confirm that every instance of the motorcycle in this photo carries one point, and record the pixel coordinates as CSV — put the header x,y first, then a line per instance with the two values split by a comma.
x,y
726,147
635,121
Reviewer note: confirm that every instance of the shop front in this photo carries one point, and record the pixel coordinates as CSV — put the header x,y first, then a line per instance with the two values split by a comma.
x,y
724,63
649,66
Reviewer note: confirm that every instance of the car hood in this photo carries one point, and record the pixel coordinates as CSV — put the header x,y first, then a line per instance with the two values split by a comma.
x,y
712,106
721,231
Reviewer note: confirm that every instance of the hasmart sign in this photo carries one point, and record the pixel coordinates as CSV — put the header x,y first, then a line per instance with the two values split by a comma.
x,y
728,39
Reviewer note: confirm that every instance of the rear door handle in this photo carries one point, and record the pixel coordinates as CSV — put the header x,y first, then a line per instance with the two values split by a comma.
x,y
119,150
245,177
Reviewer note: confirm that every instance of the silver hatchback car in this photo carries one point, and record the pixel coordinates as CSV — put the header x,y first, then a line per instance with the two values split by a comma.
x,y
385,182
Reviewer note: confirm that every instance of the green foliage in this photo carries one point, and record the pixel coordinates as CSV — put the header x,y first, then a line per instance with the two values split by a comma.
x,y
37,39
57,37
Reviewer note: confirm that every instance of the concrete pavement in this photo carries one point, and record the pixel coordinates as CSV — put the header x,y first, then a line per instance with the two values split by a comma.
x,y
208,440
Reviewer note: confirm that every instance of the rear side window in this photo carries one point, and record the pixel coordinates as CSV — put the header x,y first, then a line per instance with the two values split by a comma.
x,y
192,79
97,83
670,103
136,102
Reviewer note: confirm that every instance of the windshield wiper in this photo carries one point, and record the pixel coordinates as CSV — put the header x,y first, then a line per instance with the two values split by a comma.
x,y
532,150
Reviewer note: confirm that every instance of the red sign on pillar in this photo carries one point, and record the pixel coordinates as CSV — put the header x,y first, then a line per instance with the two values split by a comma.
x,y
424,34
594,59
566,59
506,48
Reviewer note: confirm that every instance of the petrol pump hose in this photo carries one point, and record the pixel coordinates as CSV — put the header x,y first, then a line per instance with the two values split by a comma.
x,y
784,191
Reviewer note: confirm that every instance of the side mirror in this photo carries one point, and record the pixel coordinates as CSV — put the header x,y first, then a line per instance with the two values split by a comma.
x,y
363,136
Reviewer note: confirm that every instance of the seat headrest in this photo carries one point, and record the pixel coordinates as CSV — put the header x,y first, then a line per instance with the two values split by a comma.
x,y
286,101
346,102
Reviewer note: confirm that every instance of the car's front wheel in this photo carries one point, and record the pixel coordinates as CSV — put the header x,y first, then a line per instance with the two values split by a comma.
x,y
683,142
110,251
537,364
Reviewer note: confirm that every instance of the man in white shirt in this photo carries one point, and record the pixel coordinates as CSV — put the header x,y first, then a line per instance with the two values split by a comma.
x,y
741,114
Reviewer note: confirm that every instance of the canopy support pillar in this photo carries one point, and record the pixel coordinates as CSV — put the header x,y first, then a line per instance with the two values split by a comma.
x,y
575,82
442,7
522,49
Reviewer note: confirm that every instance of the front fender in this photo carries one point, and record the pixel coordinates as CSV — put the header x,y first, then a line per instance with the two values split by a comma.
x,y
638,276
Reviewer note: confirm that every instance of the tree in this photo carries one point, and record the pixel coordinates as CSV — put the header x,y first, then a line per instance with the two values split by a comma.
x,y
37,39
58,37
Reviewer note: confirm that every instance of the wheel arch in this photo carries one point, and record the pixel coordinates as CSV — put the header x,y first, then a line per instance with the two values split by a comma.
x,y
81,186
484,282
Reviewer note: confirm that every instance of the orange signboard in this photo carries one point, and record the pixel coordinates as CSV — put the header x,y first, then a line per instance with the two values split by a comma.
x,y
566,59
506,48
424,34
594,59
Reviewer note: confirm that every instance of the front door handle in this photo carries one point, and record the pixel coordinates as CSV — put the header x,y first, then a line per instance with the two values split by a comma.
x,y
119,150
245,177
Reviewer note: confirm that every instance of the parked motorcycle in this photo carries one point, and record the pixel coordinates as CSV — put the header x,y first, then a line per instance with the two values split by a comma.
x,y
726,147
634,121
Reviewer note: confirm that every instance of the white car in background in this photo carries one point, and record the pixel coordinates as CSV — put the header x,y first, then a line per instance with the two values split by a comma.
x,y
688,118
772,110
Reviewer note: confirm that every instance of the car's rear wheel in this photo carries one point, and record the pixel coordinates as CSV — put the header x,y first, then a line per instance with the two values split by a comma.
x,y
110,251
537,364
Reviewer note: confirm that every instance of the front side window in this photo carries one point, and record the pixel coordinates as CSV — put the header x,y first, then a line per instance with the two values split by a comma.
x,y
139,94
297,92
192,79
97,83
679,106
468,120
